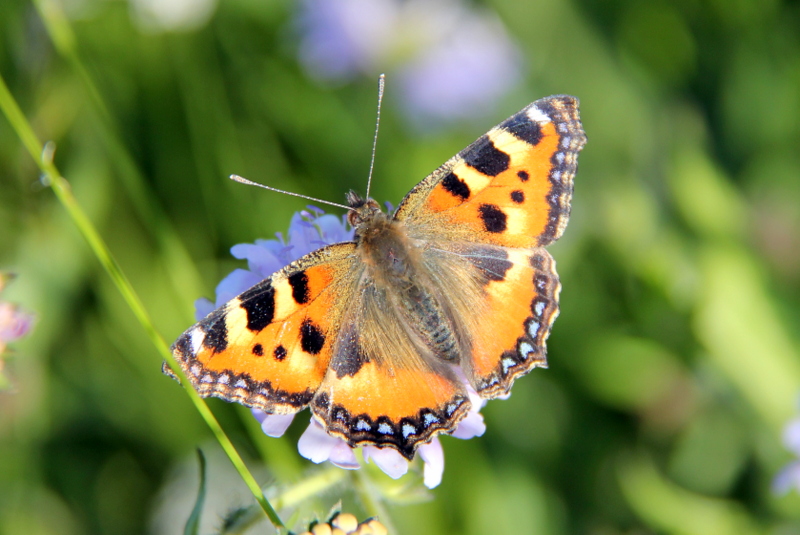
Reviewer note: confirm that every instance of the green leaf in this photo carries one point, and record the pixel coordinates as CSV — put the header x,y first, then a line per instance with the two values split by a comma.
x,y
193,522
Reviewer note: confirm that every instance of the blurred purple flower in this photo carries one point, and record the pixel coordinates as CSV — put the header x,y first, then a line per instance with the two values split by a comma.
x,y
14,324
310,230
789,477
450,60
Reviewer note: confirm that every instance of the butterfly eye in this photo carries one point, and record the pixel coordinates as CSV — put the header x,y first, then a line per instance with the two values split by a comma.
x,y
353,218
364,211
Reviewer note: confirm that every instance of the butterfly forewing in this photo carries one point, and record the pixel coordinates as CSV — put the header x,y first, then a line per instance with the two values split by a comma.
x,y
270,347
511,187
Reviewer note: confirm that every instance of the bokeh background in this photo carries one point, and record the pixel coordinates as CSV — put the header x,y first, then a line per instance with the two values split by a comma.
x,y
675,363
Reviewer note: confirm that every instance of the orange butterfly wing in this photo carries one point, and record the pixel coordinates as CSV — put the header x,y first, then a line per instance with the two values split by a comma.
x,y
295,339
512,315
384,386
511,187
496,204
270,347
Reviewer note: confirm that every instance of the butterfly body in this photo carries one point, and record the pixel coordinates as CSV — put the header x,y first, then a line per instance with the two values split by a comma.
x,y
394,269
383,336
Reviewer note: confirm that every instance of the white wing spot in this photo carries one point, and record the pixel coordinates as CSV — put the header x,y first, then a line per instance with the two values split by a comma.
x,y
363,425
207,378
507,364
535,114
533,328
409,430
565,141
240,384
431,419
197,336
224,378
539,308
525,349
385,429
560,158
196,370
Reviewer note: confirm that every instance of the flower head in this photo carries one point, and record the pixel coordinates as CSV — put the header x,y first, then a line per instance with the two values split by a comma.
x,y
310,230
14,323
347,524
789,477
450,60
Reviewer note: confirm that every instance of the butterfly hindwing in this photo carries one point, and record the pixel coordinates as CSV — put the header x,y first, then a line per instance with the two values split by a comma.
x,y
518,306
384,386
511,187
269,348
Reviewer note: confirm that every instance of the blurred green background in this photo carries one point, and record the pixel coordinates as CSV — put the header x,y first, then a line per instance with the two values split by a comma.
x,y
675,362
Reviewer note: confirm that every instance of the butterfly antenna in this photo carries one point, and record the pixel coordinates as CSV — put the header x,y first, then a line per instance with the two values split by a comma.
x,y
381,84
242,180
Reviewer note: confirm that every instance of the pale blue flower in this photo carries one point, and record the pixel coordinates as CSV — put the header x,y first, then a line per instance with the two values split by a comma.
x,y
789,478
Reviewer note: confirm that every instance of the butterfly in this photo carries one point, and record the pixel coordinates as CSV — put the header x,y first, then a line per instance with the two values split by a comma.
x,y
377,335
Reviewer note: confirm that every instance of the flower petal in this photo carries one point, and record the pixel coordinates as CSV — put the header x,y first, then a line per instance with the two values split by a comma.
x,y
235,283
390,461
273,425
787,479
315,444
471,426
342,456
331,229
202,308
432,455
14,323
791,436
261,257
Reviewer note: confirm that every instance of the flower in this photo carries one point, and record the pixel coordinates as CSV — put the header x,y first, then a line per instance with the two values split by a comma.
x,y
449,59
347,524
14,323
789,477
310,230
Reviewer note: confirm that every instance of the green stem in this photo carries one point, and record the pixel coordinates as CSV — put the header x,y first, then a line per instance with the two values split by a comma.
x,y
313,485
43,158
372,505
177,261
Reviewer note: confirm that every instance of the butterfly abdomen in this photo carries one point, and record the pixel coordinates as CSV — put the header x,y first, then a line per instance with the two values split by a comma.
x,y
432,324
393,263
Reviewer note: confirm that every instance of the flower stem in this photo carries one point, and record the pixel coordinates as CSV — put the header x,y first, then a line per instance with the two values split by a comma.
x,y
372,505
311,486
43,156
177,261
316,483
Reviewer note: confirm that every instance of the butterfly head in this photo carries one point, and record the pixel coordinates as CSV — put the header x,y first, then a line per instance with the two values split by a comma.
x,y
362,211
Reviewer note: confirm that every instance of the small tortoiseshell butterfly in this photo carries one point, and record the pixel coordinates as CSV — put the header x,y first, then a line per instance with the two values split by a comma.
x,y
369,333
